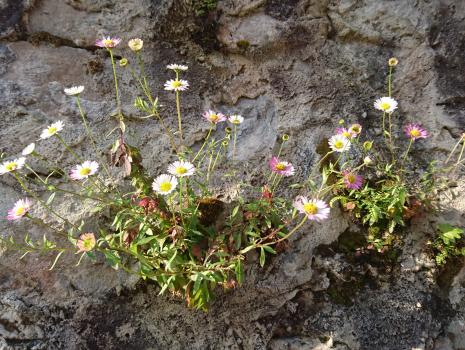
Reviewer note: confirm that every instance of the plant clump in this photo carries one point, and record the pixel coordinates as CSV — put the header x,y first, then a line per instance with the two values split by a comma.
x,y
172,229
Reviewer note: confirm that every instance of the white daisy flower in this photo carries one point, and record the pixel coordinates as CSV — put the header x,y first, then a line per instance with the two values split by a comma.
x,y
28,149
164,184
181,169
12,165
315,209
74,90
236,119
52,130
386,104
83,171
177,67
339,143
136,44
176,85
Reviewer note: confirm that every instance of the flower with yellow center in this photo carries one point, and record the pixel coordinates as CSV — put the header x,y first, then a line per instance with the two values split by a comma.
x,y
177,67
52,130
86,242
12,165
176,85
214,117
236,119
415,131
339,143
315,209
83,171
164,184
386,104
20,209
392,62
136,44
107,42
181,169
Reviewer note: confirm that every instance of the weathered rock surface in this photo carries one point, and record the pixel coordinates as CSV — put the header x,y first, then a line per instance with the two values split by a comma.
x,y
294,66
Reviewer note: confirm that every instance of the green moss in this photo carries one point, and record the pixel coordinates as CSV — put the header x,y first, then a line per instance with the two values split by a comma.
x,y
243,44
203,7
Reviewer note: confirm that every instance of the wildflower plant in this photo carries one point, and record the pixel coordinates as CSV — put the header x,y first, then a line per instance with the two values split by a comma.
x,y
170,227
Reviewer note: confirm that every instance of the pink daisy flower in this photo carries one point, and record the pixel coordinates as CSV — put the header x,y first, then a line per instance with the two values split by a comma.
x,y
351,180
345,132
280,167
315,209
355,129
86,242
20,209
107,42
214,117
415,131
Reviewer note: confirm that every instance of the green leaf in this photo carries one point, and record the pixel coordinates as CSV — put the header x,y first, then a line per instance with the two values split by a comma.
x,y
235,211
262,257
269,249
56,259
197,283
50,198
239,269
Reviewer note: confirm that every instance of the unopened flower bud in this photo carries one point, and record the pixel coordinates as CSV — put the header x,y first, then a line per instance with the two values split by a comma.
x,y
228,130
285,137
123,62
367,160
367,145
225,143
341,121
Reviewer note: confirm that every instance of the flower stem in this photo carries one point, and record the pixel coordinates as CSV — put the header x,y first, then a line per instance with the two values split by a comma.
x,y
304,220
118,100
68,148
453,150
460,155
178,109
406,152
234,142
390,81
204,143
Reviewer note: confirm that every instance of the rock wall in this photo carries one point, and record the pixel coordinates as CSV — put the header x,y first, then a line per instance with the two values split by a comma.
x,y
294,66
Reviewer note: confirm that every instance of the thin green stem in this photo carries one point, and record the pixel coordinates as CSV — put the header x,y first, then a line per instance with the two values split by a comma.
x,y
178,109
181,201
234,142
304,220
404,158
68,148
204,143
115,78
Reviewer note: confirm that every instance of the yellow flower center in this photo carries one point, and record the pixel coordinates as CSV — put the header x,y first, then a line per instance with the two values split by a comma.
x,y
177,84
20,211
181,170
355,129
280,166
385,106
52,130
214,117
85,171
236,121
165,186
108,42
415,133
346,134
310,208
88,244
351,178
10,166
338,144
